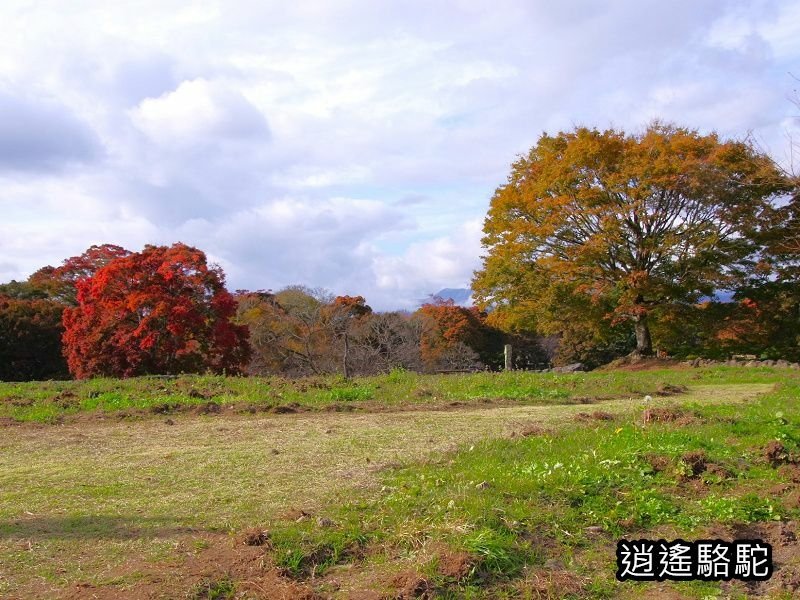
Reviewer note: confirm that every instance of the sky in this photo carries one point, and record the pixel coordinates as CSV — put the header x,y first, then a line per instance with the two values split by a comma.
x,y
351,145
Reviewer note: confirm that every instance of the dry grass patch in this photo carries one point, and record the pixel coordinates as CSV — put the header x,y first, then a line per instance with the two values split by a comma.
x,y
103,503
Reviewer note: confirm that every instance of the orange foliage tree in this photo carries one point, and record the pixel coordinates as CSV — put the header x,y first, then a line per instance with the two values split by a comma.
x,y
449,327
631,222
160,311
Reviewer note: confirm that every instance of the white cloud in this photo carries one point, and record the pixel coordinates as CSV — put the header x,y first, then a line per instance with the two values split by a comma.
x,y
353,145
197,111
428,266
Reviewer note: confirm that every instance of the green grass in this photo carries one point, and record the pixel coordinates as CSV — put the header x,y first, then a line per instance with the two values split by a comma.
x,y
514,504
220,589
49,402
122,504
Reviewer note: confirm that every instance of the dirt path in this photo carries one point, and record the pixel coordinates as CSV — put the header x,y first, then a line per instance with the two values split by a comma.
x,y
77,501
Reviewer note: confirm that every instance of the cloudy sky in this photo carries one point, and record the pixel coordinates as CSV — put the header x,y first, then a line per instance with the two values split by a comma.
x,y
352,145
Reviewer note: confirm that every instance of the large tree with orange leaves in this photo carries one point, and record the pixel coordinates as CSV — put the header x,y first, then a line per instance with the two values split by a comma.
x,y
626,222
160,311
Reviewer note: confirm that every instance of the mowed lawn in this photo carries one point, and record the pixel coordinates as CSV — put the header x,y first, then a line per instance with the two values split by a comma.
x,y
140,507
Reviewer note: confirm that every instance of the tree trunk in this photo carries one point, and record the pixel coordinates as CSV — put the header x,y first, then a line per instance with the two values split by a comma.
x,y
644,344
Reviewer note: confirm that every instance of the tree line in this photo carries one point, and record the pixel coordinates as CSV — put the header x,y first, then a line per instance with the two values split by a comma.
x,y
165,310
600,244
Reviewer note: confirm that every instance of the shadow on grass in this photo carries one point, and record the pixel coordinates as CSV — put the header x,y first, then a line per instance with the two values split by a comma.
x,y
89,527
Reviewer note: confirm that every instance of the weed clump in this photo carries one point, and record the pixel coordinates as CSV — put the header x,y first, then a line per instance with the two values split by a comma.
x,y
213,589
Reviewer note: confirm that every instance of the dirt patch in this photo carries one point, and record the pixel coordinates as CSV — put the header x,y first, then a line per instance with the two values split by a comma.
x,y
202,392
24,425
410,584
791,472
223,564
296,514
66,399
790,496
668,389
775,453
207,408
779,489
17,401
285,409
165,408
783,537
250,408
597,415
531,430
696,461
719,471
339,407
455,565
255,536
668,415
583,400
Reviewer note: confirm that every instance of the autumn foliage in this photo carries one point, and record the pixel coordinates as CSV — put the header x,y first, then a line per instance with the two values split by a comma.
x,y
61,283
451,330
600,244
627,223
159,311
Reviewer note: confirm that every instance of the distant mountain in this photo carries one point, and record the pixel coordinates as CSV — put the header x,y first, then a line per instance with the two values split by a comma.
x,y
461,296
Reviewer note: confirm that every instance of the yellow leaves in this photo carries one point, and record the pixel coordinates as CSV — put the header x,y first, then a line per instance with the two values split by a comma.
x,y
604,212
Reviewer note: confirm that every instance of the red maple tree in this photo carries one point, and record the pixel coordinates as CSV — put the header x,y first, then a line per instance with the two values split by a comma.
x,y
160,311
60,283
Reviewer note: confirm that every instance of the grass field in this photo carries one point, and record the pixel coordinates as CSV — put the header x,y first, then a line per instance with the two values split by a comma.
x,y
63,401
486,485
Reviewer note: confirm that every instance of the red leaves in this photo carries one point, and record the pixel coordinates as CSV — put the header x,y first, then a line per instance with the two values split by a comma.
x,y
162,310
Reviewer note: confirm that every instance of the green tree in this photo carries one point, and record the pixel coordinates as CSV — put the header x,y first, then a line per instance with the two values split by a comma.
x,y
30,339
626,223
